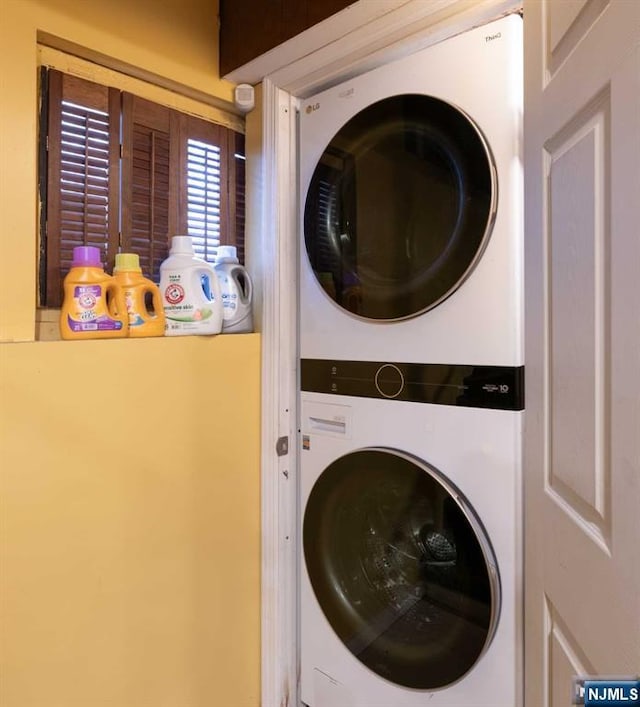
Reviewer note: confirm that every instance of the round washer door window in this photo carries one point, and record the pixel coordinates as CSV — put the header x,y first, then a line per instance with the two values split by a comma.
x,y
401,568
400,207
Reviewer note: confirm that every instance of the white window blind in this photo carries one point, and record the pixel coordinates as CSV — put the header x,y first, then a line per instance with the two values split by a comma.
x,y
203,197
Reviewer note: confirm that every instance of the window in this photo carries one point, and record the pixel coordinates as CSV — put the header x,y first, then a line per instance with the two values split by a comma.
x,y
125,174
203,195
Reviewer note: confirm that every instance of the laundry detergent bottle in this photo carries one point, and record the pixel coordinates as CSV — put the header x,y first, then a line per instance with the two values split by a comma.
x,y
190,292
138,290
93,306
237,291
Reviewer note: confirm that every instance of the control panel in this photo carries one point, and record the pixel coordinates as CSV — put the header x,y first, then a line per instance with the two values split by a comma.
x,y
497,387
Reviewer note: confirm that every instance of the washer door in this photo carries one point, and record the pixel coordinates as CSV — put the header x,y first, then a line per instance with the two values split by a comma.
x,y
400,207
401,568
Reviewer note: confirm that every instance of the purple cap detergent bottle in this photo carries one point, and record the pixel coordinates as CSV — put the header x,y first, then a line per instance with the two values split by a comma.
x,y
94,305
86,256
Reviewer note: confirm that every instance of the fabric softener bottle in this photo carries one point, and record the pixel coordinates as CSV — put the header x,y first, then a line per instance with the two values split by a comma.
x,y
94,306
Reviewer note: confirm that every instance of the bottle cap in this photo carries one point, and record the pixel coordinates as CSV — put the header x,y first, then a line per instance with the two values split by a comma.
x,y
127,261
227,254
86,256
181,245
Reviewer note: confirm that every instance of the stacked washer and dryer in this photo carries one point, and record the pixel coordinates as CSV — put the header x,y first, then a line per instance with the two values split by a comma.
x,y
411,373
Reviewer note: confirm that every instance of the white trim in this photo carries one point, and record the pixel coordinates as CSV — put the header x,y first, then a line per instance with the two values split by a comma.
x,y
413,24
341,24
279,479
363,35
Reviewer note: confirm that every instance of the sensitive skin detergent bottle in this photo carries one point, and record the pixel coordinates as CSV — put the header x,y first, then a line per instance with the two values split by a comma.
x,y
137,289
190,292
237,289
94,305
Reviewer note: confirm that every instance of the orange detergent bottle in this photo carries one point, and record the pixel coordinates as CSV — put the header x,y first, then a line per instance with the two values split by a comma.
x,y
94,305
136,288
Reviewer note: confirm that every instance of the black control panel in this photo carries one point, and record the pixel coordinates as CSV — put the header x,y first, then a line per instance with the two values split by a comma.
x,y
497,387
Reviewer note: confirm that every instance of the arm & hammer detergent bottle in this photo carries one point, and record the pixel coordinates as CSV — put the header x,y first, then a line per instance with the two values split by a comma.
x,y
93,306
190,292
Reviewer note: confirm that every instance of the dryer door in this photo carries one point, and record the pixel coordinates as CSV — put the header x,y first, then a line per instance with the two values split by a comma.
x,y
401,567
400,207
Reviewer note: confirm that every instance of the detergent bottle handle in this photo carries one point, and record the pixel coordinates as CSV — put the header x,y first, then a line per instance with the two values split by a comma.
x,y
115,301
244,283
211,290
156,300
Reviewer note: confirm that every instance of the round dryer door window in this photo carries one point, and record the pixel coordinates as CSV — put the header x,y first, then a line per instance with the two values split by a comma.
x,y
400,207
401,568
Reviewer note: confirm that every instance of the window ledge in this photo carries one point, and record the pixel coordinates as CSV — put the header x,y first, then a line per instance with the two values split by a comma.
x,y
47,324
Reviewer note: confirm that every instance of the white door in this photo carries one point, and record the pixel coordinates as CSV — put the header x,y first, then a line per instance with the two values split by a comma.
x,y
582,263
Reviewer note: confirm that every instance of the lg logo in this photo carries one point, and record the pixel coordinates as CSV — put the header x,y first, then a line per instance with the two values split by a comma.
x,y
312,107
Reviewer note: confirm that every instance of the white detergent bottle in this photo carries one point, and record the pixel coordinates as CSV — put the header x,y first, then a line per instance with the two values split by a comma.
x,y
237,290
190,292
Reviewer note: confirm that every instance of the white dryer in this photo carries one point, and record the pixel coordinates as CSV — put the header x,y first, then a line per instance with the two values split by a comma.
x,y
411,196
410,526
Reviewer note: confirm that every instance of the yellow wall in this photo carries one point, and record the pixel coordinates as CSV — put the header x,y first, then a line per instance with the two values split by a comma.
x,y
129,507
129,469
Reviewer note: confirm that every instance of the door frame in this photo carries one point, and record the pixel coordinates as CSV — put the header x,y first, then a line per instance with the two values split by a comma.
x,y
272,219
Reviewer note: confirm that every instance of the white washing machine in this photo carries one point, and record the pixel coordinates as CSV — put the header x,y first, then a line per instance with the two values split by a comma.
x,y
411,196
410,513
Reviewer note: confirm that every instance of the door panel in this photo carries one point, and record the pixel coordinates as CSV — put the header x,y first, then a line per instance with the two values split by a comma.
x,y
582,450
577,214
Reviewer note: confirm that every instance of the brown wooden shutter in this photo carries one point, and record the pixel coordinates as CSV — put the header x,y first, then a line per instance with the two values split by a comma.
x,y
211,207
239,180
149,181
83,179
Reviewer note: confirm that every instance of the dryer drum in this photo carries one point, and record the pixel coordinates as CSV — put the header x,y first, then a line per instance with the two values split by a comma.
x,y
400,207
401,567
